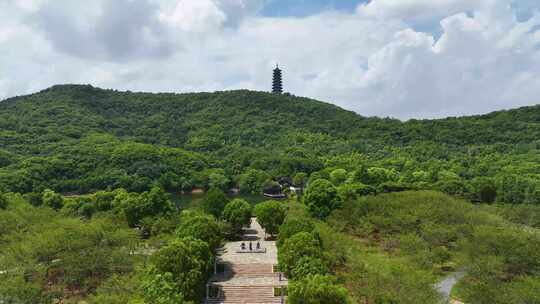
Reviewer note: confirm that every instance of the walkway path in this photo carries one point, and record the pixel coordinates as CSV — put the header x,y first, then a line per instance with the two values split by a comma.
x,y
248,277
445,286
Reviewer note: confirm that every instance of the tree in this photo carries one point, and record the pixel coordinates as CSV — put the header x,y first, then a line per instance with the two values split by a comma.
x,y
202,227
272,187
514,189
351,191
321,198
317,289
219,181
292,226
52,199
34,198
214,202
238,213
376,176
189,262
148,204
307,266
486,190
295,248
252,181
299,179
338,176
3,201
103,200
270,215
160,288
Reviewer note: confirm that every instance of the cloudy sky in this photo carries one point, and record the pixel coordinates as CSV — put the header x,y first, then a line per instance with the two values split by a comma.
x,y
398,58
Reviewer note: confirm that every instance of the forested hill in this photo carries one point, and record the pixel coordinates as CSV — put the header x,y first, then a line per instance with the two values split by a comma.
x,y
246,117
77,138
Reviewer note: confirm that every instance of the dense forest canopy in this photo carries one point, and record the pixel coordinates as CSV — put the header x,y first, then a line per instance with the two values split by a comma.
x,y
87,178
80,139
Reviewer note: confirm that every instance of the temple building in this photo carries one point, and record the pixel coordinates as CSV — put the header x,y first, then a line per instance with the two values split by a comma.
x,y
277,82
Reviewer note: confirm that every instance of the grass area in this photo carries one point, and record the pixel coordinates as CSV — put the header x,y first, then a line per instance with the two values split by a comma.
x,y
394,248
370,274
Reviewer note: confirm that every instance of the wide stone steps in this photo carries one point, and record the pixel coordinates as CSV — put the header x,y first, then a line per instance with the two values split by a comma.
x,y
246,295
246,277
244,269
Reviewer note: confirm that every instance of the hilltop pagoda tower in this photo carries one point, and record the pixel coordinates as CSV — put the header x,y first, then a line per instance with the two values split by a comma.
x,y
277,82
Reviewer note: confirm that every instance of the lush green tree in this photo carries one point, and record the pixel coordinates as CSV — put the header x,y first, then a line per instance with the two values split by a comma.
x,y
77,254
237,213
214,202
137,207
321,198
307,266
453,186
352,191
218,181
270,215
272,187
3,201
120,289
485,190
377,176
318,175
317,289
338,176
52,199
295,248
514,189
292,226
202,227
189,262
34,198
252,181
103,200
161,288
300,179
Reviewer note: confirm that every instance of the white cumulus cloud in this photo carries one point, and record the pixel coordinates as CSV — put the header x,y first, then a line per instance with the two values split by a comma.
x,y
410,58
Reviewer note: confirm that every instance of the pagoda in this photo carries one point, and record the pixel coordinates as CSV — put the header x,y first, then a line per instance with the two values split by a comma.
x,y
277,82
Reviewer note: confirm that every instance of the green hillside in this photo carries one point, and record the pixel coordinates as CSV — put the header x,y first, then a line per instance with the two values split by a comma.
x,y
86,214
80,139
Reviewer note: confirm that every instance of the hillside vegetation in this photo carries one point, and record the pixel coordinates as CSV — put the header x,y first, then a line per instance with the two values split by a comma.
x,y
388,208
81,139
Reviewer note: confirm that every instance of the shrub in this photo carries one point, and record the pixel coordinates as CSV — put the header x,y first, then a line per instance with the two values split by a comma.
x,y
317,289
52,199
3,201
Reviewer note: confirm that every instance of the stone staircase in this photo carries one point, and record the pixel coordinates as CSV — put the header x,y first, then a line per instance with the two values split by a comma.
x,y
247,277
251,270
246,294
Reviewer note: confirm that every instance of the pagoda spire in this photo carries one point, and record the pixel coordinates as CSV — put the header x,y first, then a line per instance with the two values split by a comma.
x,y
277,82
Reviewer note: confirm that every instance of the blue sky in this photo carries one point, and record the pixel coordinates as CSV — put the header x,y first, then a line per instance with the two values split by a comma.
x,y
302,8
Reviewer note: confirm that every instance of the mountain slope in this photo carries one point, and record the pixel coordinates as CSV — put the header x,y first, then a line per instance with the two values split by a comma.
x,y
72,133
